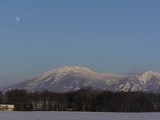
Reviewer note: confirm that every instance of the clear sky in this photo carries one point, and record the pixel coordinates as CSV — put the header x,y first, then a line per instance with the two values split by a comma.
x,y
118,36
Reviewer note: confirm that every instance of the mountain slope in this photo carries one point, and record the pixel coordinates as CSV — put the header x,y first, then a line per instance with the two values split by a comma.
x,y
72,78
150,81
68,78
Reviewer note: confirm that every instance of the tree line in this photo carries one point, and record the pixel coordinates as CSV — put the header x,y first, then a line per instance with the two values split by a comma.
x,y
82,100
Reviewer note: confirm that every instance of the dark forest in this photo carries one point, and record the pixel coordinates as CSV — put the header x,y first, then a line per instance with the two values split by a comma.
x,y
82,100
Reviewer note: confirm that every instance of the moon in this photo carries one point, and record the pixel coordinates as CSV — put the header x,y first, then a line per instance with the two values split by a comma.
x,y
17,19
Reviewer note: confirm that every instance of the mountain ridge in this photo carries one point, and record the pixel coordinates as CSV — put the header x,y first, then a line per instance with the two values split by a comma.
x,y
72,78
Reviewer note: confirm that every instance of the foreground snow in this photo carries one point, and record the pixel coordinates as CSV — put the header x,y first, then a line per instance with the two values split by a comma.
x,y
77,116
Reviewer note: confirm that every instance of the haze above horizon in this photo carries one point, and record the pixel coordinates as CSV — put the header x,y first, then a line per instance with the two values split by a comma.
x,y
104,36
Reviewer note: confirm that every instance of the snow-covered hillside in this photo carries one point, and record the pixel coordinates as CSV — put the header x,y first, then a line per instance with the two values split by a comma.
x,y
72,78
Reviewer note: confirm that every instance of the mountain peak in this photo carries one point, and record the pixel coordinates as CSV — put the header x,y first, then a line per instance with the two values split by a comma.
x,y
68,78
72,78
61,72
68,68
149,72
148,75
73,68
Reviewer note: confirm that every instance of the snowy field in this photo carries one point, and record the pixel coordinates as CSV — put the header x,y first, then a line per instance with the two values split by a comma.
x,y
77,116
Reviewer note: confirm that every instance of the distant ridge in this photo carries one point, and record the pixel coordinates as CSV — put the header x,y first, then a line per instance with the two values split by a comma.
x,y
72,78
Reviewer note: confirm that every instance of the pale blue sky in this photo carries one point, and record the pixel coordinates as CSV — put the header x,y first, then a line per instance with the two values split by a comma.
x,y
118,36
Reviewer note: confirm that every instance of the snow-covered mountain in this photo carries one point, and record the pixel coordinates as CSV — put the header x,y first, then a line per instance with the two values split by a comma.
x,y
72,78
150,81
